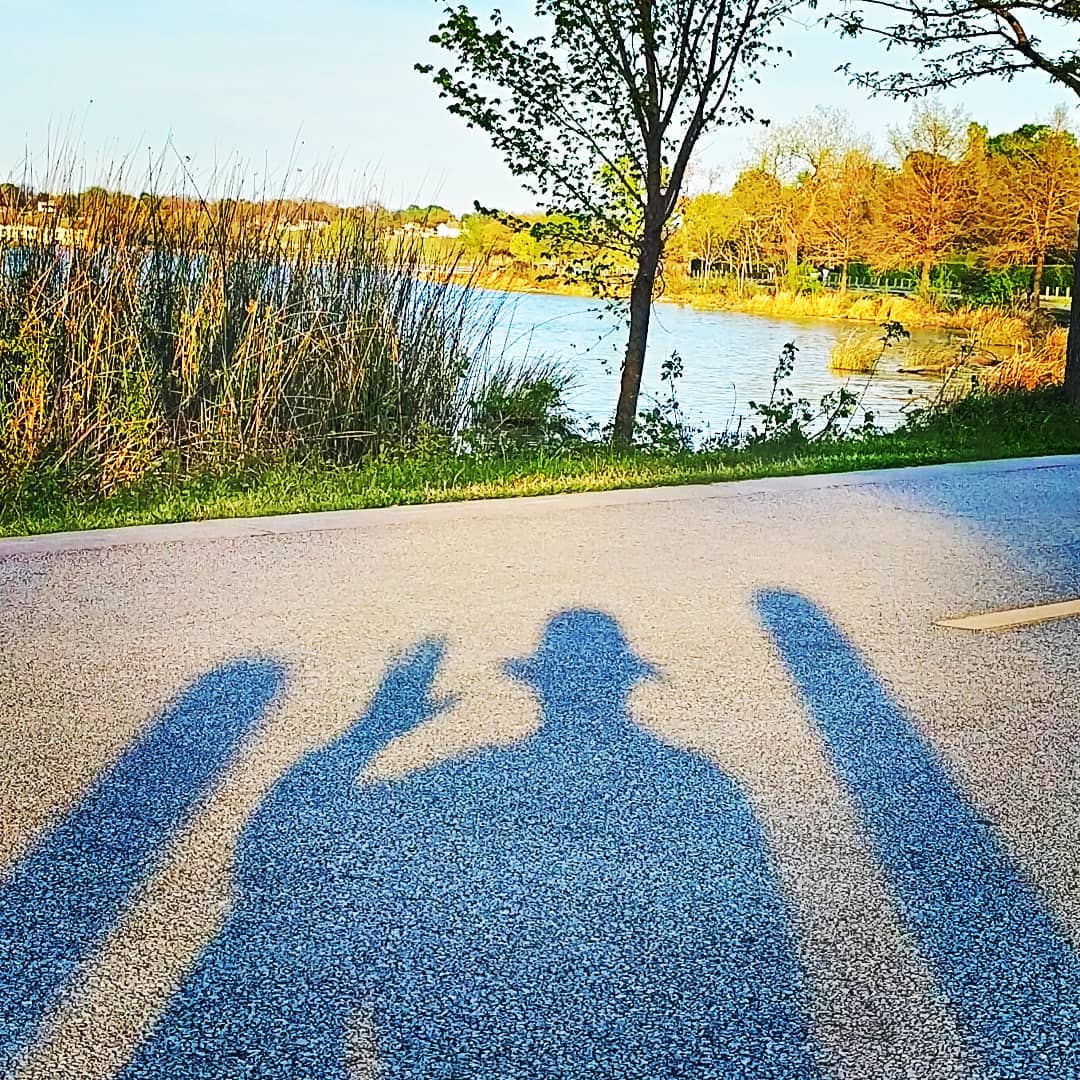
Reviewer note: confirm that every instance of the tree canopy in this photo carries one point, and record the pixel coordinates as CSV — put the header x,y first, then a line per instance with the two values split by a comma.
x,y
956,41
598,108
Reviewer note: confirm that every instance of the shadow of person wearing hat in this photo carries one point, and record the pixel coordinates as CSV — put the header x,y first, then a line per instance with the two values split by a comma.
x,y
591,902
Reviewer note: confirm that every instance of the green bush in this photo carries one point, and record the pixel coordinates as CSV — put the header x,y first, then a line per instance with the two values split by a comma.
x,y
516,407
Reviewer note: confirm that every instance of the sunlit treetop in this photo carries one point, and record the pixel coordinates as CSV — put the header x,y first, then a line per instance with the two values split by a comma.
x,y
599,106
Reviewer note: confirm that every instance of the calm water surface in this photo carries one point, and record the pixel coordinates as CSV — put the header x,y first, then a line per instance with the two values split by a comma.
x,y
728,357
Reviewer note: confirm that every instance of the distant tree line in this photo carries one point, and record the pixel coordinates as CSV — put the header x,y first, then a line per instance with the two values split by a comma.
x,y
818,196
954,206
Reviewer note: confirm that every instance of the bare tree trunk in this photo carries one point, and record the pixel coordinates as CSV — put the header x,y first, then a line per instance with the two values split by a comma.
x,y
924,279
1072,348
843,279
640,312
1036,280
792,245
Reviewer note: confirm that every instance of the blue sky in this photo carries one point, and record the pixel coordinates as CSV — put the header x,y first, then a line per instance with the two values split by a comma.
x,y
321,96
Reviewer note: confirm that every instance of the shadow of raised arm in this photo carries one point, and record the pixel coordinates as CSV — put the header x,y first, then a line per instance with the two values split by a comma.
x,y
999,956
274,993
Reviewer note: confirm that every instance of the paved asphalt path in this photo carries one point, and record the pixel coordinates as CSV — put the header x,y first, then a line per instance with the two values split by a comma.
x,y
674,783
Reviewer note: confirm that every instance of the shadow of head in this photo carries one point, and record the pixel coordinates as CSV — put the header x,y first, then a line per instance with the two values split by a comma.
x,y
582,653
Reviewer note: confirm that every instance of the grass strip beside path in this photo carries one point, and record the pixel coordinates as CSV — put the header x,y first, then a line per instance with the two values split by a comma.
x,y
984,427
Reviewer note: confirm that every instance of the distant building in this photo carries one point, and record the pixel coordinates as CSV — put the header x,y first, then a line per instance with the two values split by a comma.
x,y
63,235
446,231
304,225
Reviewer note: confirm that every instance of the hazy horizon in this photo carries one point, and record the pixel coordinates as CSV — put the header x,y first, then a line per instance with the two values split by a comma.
x,y
322,101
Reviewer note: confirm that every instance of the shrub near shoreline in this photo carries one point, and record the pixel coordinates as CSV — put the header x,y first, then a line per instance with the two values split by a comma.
x,y
997,326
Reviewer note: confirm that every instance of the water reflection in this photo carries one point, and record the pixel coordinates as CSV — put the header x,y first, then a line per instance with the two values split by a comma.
x,y
728,357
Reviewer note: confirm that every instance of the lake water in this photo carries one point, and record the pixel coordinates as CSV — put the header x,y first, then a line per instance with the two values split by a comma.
x,y
728,358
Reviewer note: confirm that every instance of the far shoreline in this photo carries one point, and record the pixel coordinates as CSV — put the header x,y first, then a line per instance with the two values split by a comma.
x,y
996,327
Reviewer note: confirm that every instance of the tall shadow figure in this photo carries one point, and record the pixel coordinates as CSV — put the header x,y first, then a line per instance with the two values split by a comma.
x,y
999,956
589,903
62,898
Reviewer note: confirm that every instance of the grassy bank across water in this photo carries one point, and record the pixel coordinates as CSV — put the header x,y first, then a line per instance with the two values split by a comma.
x,y
992,325
979,427
989,325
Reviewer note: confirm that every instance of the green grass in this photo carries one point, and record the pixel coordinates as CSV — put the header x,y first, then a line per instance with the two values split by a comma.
x,y
980,427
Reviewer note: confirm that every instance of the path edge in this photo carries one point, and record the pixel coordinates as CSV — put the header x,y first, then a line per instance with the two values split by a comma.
x,y
337,520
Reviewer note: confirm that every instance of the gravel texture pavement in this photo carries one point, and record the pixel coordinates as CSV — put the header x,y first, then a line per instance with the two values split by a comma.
x,y
678,783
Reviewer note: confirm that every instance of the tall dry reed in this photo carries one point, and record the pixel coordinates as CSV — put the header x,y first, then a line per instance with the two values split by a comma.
x,y
143,330
1039,365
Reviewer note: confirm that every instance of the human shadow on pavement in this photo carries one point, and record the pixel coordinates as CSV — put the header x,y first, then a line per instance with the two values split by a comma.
x,y
62,898
1006,968
590,902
